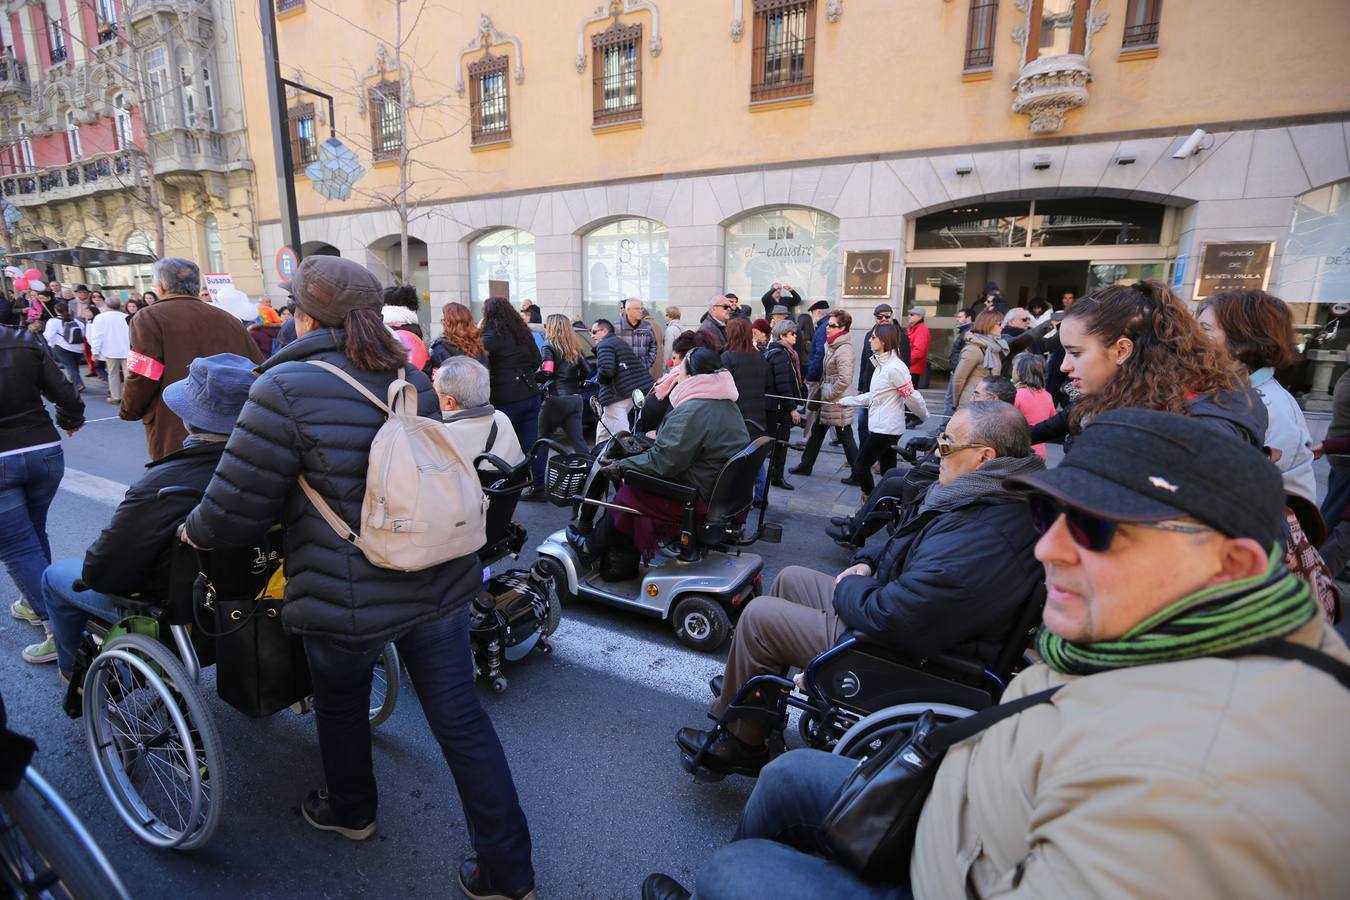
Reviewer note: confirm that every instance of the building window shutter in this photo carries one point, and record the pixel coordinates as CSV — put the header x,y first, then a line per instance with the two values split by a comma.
x,y
980,34
617,94
489,100
1142,18
783,54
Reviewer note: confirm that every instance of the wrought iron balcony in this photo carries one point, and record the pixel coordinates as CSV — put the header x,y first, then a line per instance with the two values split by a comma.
x,y
101,174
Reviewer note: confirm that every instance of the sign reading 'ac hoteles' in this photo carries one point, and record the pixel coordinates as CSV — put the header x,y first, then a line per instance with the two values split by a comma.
x,y
1233,264
867,274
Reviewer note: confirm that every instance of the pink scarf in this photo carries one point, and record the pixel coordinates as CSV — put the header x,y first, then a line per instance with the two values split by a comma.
x,y
668,382
716,386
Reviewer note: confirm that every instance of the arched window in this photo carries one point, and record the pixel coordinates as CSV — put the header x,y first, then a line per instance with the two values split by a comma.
x,y
626,258
785,244
215,250
1315,266
73,136
503,255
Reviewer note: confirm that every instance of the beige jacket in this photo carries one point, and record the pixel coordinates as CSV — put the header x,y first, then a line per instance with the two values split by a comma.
x,y
835,382
1207,778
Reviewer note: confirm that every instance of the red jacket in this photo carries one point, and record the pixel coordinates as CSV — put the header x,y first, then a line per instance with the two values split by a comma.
x,y
919,339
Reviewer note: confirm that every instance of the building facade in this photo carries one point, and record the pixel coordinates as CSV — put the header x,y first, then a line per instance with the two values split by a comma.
x,y
97,97
576,154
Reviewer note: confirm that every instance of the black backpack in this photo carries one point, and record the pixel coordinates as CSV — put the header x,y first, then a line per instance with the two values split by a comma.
x,y
72,332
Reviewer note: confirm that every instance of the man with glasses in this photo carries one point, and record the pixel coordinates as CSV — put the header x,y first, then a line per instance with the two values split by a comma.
x,y
715,324
950,580
1195,742
619,373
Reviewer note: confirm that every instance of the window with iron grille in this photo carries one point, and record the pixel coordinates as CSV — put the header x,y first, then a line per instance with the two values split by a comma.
x,y
1141,23
618,73
980,34
304,144
283,5
386,120
489,99
56,34
784,51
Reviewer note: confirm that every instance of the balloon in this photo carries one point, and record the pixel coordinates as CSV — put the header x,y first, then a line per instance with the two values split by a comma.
x,y
33,275
13,272
236,303
21,284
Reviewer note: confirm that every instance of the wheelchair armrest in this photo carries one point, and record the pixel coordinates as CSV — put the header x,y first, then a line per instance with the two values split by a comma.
x,y
178,490
685,493
945,662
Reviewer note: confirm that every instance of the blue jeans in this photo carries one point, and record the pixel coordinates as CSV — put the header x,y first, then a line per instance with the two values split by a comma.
x,y
1337,497
524,415
70,363
28,482
439,661
68,609
773,852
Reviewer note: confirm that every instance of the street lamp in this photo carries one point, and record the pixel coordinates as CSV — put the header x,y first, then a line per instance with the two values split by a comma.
x,y
337,167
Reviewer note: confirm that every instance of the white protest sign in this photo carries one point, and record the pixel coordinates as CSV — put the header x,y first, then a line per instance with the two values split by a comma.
x,y
215,282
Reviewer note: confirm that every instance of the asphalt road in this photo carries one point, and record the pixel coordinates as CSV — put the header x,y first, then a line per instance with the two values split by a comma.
x,y
589,732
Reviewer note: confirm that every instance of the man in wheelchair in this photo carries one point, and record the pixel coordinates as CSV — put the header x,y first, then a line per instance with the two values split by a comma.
x,y
1194,745
950,580
703,430
131,557
464,389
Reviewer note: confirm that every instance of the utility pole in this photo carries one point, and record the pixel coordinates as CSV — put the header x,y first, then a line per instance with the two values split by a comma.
x,y
281,127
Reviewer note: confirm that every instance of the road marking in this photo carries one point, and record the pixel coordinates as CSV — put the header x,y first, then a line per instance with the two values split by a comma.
x,y
661,665
93,487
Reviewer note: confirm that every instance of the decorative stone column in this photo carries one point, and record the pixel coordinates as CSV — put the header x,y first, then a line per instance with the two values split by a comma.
x,y
1049,87
1318,398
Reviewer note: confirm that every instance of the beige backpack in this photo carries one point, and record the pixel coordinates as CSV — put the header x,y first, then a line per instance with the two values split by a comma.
x,y
424,504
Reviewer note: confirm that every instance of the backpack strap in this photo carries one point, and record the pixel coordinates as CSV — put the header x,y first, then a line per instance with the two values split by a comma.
x,y
334,370
1309,656
491,438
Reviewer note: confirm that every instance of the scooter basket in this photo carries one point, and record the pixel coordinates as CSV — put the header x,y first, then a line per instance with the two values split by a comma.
x,y
564,477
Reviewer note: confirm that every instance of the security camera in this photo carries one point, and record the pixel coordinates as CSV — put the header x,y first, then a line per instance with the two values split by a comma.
x,y
1041,162
964,167
1192,144
1126,157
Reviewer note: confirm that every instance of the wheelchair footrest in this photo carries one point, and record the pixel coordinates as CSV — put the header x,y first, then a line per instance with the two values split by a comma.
x,y
771,533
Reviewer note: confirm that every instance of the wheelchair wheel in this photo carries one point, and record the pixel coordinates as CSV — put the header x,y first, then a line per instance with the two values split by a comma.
x,y
701,623
154,743
46,852
866,737
384,686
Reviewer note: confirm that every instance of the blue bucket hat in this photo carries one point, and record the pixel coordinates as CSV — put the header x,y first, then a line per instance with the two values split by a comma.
x,y
210,397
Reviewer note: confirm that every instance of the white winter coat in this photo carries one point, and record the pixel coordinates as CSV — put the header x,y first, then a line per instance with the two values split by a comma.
x,y
109,336
1288,432
892,391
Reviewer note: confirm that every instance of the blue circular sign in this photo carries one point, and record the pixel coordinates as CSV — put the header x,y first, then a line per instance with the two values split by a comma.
x,y
287,262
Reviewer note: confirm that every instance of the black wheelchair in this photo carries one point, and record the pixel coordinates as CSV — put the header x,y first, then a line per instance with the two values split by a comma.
x,y
138,686
857,694
898,495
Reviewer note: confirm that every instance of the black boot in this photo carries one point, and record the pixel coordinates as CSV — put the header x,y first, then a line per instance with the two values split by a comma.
x,y
663,887
783,484
728,755
474,884
798,470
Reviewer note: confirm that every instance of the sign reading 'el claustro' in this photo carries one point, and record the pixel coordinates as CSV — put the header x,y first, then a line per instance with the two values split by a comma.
x,y
1233,264
867,274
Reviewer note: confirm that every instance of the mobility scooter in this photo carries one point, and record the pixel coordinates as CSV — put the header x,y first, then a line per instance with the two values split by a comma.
x,y
701,581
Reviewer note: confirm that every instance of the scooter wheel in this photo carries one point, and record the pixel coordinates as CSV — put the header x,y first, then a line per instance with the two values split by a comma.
x,y
499,684
701,623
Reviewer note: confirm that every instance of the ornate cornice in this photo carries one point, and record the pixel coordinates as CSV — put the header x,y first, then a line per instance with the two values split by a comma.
x,y
614,9
487,38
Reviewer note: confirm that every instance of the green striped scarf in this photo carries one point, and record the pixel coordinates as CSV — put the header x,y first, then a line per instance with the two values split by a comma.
x,y
1213,621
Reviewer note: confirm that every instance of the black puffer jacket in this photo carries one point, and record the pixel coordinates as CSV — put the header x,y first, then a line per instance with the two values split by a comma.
x,y
1239,414
784,380
948,582
511,366
441,350
27,374
131,555
751,373
619,370
301,420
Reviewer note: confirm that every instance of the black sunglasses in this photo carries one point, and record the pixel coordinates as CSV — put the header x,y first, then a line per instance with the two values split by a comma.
x,y
1089,531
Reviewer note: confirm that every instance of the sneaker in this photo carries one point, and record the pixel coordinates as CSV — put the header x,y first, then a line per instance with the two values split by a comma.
x,y
475,885
20,610
318,811
43,651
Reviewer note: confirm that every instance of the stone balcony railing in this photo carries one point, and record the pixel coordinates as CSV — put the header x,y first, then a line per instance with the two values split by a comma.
x,y
13,76
103,173
137,10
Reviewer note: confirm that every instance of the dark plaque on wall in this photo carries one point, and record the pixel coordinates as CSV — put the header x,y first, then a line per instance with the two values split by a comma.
x,y
1233,264
499,289
867,274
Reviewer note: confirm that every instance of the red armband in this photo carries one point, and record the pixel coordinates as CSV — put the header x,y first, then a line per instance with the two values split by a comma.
x,y
145,366
906,390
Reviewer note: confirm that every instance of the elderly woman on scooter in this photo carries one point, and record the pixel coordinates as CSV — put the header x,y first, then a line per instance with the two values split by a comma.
x,y
703,430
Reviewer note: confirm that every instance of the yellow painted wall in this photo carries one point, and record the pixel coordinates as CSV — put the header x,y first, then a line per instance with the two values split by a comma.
x,y
887,79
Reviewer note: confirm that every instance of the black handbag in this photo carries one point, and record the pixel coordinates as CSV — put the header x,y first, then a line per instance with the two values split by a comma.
x,y
260,668
870,828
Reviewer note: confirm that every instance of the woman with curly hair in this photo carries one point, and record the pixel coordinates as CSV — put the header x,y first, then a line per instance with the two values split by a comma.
x,y
459,336
1139,346
513,358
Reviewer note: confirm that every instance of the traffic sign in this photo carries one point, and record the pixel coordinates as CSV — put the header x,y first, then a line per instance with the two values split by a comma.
x,y
287,262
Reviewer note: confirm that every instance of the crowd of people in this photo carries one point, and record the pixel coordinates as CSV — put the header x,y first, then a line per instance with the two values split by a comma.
x,y
1188,566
